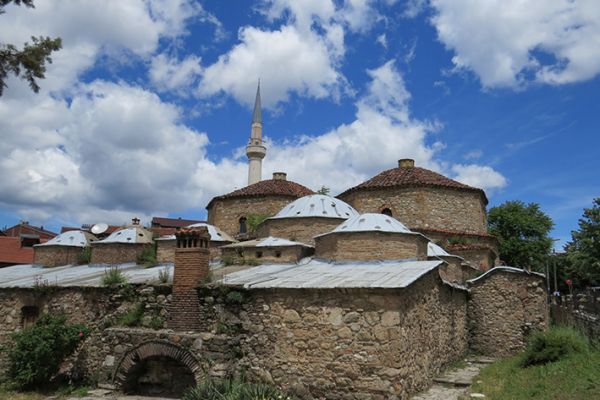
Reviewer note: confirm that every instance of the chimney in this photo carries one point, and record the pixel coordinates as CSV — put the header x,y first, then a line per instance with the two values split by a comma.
x,y
279,176
135,221
406,163
191,268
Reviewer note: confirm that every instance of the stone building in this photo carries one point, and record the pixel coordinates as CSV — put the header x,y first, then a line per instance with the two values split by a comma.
x,y
307,217
266,250
371,237
66,248
430,203
456,269
230,212
165,246
122,246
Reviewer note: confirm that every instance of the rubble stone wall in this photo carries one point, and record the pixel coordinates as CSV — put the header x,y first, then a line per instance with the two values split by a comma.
x,y
301,230
116,253
55,256
504,309
287,254
425,207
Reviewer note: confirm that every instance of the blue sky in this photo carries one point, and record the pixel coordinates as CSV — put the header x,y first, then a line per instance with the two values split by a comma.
x,y
146,109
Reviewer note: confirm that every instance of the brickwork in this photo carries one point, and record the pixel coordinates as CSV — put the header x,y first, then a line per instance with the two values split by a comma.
x,y
425,207
504,309
116,253
301,230
371,246
54,256
226,213
285,254
165,250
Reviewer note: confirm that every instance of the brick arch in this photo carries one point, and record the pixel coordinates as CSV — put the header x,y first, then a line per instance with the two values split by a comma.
x,y
156,348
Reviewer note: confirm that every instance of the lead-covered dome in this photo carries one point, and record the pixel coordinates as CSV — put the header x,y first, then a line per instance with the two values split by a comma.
x,y
317,205
71,238
372,222
135,235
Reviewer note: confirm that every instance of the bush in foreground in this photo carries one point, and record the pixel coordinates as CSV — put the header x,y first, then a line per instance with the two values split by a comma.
x,y
234,390
36,352
552,345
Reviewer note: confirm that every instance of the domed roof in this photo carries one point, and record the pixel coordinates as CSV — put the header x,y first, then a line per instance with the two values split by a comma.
x,y
269,241
71,238
410,176
137,235
372,223
269,187
317,205
216,235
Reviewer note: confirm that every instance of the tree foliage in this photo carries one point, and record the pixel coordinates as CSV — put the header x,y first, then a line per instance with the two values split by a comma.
x,y
522,230
28,63
324,190
583,251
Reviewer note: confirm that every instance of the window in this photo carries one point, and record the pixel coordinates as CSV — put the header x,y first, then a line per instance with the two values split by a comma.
x,y
29,314
387,211
278,254
243,228
258,254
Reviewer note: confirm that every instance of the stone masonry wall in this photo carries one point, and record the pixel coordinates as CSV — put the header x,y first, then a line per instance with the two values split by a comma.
x,y
353,344
116,253
504,309
54,256
301,230
371,246
423,207
483,259
226,213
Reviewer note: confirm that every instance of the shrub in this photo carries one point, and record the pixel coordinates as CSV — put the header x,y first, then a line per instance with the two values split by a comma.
x,y
113,276
133,317
85,256
228,260
157,322
552,345
234,297
35,354
147,257
164,275
234,390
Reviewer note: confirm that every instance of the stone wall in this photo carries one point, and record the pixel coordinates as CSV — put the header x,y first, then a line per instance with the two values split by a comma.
x,y
226,213
504,309
287,254
425,207
55,256
371,246
455,270
481,258
116,253
301,230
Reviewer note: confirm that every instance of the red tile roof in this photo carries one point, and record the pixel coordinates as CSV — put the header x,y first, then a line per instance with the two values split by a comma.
x,y
269,187
11,251
164,222
25,228
410,177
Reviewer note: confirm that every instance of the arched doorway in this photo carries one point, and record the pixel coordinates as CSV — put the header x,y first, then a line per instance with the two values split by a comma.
x,y
158,368
387,211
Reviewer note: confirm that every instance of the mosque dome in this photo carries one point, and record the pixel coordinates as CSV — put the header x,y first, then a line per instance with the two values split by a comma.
x,y
317,205
71,238
372,222
136,235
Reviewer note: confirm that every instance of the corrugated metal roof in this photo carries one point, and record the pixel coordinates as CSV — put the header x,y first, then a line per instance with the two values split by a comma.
x,y
71,238
319,274
266,242
79,275
129,235
317,205
504,269
216,235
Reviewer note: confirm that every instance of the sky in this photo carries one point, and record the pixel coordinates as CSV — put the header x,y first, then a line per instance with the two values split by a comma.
x,y
146,109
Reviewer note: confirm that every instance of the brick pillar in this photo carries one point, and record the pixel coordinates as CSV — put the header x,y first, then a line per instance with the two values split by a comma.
x,y
191,268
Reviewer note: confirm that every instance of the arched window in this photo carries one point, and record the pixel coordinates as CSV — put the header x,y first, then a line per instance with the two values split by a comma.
x,y
243,228
387,211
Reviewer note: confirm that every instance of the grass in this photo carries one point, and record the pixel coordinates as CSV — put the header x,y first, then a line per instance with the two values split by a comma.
x,y
113,276
61,393
574,376
133,317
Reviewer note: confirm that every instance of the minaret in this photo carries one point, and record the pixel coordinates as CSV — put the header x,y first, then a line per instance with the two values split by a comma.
x,y
255,149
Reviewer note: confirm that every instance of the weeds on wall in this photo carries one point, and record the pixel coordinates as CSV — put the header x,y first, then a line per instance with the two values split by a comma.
x,y
36,352
254,220
235,390
164,276
147,257
133,317
113,276
85,256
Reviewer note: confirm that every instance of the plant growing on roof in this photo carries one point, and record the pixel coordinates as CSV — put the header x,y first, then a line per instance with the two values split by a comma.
x,y
254,220
113,276
147,257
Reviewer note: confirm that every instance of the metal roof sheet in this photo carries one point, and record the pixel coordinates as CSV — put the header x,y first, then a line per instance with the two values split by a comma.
x,y
433,250
504,269
216,235
317,205
132,234
75,238
266,242
319,274
371,222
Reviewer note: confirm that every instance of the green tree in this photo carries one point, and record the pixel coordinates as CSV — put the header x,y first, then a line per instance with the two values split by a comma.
x,y
522,230
583,251
324,190
30,62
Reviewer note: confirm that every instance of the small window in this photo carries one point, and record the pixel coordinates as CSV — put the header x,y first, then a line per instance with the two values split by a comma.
x,y
243,228
387,211
258,254
278,254
29,314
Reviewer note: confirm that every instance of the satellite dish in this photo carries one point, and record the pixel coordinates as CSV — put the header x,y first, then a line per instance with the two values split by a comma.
x,y
99,228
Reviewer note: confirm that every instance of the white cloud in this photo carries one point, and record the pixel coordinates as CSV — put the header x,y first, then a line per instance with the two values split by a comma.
x,y
288,60
168,73
479,176
512,42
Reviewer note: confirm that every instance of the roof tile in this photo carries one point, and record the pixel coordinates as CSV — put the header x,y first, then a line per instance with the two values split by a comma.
x,y
269,187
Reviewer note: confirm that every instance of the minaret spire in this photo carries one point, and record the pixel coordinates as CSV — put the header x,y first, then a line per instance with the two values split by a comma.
x,y
255,149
